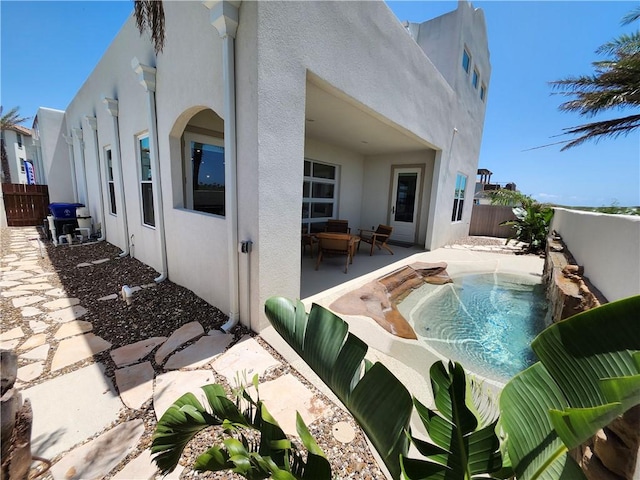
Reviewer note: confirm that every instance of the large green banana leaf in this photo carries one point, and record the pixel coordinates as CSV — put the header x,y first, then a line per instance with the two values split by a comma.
x,y
588,374
382,405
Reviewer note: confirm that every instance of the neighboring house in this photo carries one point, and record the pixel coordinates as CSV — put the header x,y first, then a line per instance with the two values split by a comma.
x,y
484,187
258,111
23,164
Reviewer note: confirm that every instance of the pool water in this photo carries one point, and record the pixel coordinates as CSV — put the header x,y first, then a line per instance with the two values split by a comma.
x,y
484,321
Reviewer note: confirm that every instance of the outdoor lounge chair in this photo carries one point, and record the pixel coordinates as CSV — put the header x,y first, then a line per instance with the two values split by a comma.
x,y
335,244
338,226
378,238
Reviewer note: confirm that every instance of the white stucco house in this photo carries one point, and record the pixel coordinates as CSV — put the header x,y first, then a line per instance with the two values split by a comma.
x,y
257,111
23,165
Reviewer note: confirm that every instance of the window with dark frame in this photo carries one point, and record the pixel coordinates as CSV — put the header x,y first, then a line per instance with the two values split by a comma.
x,y
205,176
146,185
319,194
476,76
110,183
458,199
466,60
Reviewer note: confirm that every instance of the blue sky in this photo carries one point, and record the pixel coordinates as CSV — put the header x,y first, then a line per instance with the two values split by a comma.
x,y
49,48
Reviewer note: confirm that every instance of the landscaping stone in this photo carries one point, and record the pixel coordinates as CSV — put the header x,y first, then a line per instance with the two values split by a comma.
x,y
34,286
70,409
9,344
141,467
68,314
179,337
98,457
75,349
113,296
204,351
38,353
172,385
135,384
24,301
30,311
16,275
15,293
56,292
245,356
83,264
37,326
8,283
135,351
102,260
76,327
33,342
61,303
12,334
30,372
343,432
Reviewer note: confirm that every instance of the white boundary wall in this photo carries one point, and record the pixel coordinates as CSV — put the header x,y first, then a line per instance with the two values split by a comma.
x,y
608,246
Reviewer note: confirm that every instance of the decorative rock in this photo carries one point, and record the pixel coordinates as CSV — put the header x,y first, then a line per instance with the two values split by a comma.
x,y
56,292
37,326
24,301
113,296
245,356
135,384
141,467
594,469
30,311
102,260
61,303
75,327
98,457
179,337
343,432
78,348
613,453
200,353
34,341
30,372
68,314
83,264
172,385
38,353
135,351
12,334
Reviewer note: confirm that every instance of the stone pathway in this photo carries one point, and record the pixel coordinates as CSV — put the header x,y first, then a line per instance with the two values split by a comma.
x,y
77,414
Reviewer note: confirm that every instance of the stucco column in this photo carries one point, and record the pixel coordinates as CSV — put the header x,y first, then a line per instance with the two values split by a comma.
x,y
74,181
112,108
93,124
79,141
147,78
224,17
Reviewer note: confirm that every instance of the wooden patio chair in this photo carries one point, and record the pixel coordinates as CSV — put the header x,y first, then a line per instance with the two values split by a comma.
x,y
337,226
335,244
378,238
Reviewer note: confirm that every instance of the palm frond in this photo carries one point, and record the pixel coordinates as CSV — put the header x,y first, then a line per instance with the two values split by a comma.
x,y
631,17
602,129
11,118
149,16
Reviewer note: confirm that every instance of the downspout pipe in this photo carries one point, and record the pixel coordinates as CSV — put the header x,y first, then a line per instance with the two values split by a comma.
x,y
93,124
224,17
78,135
112,108
147,78
74,181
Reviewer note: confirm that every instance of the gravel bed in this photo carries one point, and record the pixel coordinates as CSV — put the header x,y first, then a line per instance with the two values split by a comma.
x,y
158,310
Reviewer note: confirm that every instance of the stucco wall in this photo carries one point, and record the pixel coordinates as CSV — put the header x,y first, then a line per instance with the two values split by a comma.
x,y
608,246
55,155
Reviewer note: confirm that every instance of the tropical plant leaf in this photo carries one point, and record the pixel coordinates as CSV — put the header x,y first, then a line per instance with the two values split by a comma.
x,y
574,426
317,466
376,398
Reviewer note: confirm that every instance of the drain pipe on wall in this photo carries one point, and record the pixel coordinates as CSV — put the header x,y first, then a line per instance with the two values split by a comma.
x,y
93,124
224,17
112,108
74,181
78,135
147,78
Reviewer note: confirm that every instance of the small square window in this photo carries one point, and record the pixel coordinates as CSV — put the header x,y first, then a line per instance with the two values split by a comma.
x,y
475,78
466,60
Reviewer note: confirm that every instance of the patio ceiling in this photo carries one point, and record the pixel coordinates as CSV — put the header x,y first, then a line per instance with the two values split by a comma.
x,y
333,117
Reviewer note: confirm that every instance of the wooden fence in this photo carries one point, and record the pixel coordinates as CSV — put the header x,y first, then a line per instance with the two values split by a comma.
x,y
25,205
486,219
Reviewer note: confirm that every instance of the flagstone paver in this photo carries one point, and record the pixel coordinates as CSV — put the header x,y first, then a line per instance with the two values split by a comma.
x,y
83,264
15,293
98,457
68,314
38,353
75,349
172,385
75,327
204,351
135,351
9,344
16,275
12,334
102,260
24,301
141,467
113,296
8,283
56,292
135,384
245,356
30,372
30,311
34,286
37,326
284,396
181,336
33,342
61,303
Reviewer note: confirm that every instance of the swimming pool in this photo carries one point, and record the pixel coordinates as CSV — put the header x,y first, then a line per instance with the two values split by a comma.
x,y
484,321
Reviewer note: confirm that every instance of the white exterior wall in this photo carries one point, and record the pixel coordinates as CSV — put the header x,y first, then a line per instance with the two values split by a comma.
x,y
277,45
54,154
608,246
16,153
